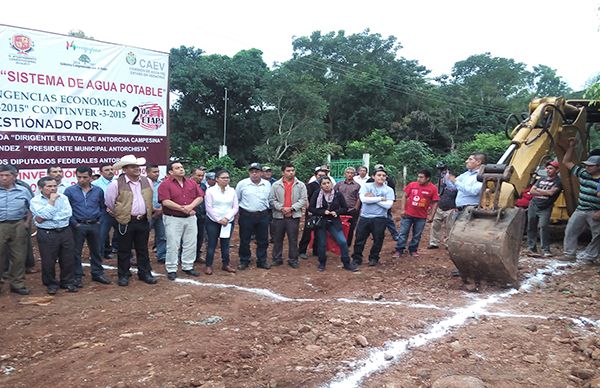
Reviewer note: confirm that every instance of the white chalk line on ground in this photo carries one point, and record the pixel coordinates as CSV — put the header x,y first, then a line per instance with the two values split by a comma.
x,y
533,280
392,352
376,359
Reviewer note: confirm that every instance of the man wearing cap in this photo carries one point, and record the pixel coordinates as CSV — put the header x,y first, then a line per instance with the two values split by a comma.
x,y
583,216
545,191
179,197
253,200
322,168
267,174
129,200
14,222
211,179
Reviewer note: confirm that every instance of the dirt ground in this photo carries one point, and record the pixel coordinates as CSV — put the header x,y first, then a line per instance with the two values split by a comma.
x,y
404,323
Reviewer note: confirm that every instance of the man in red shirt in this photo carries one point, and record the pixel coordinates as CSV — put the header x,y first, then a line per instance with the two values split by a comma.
x,y
418,206
179,197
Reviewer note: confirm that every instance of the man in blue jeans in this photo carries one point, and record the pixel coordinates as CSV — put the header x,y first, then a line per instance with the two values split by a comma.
x,y
545,192
87,204
418,206
376,198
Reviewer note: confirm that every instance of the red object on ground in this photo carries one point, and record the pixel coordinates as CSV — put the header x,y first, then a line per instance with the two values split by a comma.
x,y
331,244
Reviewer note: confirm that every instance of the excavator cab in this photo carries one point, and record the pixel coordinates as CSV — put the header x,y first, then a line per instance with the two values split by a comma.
x,y
485,240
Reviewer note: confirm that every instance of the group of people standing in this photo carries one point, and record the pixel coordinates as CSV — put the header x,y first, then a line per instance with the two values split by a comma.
x,y
184,211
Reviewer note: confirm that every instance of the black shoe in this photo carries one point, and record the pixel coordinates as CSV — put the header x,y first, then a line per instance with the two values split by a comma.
x,y
101,279
123,282
52,290
243,265
172,275
321,267
263,265
356,262
303,256
20,291
294,264
372,263
78,283
191,272
433,247
148,279
350,267
455,273
108,257
276,263
71,288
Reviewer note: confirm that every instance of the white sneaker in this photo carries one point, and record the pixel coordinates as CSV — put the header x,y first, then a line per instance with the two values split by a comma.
x,y
547,254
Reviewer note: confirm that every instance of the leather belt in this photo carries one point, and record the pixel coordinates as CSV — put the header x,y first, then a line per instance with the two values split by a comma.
x,y
88,222
257,214
178,216
141,217
55,230
10,221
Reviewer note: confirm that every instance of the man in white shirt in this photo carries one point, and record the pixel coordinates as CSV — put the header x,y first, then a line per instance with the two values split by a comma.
x,y
362,176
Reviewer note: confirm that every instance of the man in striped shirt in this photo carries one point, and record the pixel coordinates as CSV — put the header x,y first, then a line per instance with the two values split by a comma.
x,y
589,203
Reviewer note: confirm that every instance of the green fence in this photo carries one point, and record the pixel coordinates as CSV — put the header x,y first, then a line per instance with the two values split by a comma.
x,y
338,167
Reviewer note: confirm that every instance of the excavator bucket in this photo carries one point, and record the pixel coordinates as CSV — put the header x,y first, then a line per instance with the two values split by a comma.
x,y
486,247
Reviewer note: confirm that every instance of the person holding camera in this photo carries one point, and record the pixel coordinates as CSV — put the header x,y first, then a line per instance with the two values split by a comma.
x,y
446,205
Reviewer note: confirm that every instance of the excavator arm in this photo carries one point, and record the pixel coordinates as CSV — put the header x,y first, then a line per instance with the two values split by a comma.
x,y
485,240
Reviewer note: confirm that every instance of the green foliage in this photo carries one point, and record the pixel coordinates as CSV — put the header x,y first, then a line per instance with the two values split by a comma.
x,y
492,144
294,111
215,163
413,154
313,155
347,89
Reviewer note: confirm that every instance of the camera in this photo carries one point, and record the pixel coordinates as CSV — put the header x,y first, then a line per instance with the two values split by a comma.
x,y
441,166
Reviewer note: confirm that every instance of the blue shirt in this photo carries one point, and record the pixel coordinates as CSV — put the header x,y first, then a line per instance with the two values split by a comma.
x,y
253,197
56,216
102,183
85,206
468,188
14,203
155,203
373,206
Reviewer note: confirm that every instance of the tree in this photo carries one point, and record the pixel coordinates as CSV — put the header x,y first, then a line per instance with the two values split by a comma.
x,y
197,116
293,114
365,84
546,83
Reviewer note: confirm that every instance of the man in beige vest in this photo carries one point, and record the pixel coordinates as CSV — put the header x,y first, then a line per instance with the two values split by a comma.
x,y
129,200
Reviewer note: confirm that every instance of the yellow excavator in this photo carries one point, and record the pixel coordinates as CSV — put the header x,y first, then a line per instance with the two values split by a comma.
x,y
485,240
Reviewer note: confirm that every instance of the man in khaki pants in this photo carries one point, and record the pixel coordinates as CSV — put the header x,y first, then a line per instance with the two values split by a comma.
x,y
14,219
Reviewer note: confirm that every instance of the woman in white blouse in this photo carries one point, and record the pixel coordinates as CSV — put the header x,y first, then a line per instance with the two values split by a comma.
x,y
221,207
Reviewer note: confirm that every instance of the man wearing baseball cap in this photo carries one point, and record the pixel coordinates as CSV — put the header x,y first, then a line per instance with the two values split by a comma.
x,y
545,191
588,204
253,200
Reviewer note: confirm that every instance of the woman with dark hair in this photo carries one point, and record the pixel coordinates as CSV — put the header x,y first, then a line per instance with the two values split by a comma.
x,y
330,204
221,208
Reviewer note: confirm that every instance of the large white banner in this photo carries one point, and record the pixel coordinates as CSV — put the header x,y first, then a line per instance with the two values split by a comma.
x,y
69,102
